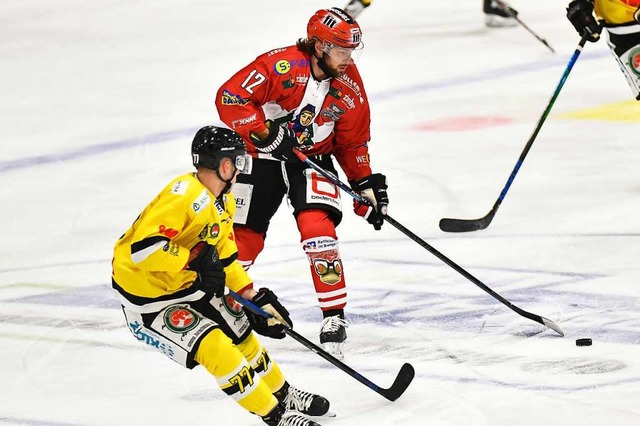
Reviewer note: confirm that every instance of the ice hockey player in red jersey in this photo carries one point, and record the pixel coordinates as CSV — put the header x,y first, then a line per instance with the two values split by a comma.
x,y
309,97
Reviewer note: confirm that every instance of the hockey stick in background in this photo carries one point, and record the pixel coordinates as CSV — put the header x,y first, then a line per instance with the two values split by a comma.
x,y
466,225
506,9
400,384
359,198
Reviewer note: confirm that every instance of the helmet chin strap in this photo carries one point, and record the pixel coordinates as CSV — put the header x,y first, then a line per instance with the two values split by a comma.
x,y
228,182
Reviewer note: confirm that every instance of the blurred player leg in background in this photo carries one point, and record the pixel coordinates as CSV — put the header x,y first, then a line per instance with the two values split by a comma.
x,y
496,16
355,7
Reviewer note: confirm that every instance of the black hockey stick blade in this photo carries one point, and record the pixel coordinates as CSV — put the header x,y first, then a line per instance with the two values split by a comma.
x,y
466,225
400,384
537,318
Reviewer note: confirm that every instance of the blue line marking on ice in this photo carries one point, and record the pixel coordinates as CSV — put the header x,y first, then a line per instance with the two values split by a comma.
x,y
168,136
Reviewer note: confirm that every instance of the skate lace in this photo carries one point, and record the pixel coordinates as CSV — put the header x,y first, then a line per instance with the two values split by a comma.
x,y
332,324
294,419
298,400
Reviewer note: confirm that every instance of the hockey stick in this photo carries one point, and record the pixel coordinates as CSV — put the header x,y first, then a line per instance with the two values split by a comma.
x,y
506,9
466,225
400,384
537,318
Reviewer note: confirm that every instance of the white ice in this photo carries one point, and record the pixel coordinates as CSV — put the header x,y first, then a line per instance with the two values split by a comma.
x,y
100,100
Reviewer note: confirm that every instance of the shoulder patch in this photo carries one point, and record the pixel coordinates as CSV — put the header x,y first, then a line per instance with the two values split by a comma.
x,y
180,187
202,201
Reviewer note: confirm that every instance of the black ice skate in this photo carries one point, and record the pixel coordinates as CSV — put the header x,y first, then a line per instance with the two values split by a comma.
x,y
280,416
333,334
295,418
306,402
496,16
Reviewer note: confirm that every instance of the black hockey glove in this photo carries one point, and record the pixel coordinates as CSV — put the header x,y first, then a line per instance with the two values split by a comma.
x,y
374,189
271,327
580,14
280,142
211,275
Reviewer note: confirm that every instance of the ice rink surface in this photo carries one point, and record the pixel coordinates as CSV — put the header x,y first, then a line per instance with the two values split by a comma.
x,y
100,101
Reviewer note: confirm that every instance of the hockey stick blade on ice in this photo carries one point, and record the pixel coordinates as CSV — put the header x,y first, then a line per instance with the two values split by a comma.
x,y
333,178
466,225
400,384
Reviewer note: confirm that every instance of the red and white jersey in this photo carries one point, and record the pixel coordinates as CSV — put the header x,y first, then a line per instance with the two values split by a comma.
x,y
329,117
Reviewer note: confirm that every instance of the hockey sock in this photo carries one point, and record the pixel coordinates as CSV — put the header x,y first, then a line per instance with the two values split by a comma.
x,y
319,242
233,373
250,243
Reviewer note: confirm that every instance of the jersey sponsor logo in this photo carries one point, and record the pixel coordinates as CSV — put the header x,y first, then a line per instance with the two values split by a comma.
x,y
351,83
140,334
169,232
282,67
274,51
202,201
302,79
232,306
181,319
229,98
219,206
336,92
634,60
179,187
333,112
362,159
288,83
215,230
349,101
244,121
172,249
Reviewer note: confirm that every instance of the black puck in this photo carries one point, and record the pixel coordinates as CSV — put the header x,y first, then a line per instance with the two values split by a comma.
x,y
584,342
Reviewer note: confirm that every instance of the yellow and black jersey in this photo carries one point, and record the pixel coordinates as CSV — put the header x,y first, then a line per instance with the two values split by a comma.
x,y
616,12
150,258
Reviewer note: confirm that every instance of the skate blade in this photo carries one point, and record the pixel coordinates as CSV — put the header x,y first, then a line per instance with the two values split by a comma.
x,y
336,349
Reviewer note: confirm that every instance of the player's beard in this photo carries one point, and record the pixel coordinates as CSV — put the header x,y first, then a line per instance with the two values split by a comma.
x,y
333,72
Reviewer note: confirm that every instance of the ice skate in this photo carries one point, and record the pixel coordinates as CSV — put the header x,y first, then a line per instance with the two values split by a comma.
x,y
496,16
333,334
306,402
295,418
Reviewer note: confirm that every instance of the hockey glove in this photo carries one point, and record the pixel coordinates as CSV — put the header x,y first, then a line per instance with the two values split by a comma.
x,y
271,327
580,14
211,275
280,142
374,189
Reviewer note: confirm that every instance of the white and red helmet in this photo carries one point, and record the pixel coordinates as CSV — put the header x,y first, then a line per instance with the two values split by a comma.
x,y
335,26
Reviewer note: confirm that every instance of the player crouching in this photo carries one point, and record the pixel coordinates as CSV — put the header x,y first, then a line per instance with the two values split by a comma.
x,y
170,271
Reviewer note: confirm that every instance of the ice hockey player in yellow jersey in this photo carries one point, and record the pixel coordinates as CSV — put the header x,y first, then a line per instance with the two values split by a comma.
x,y
170,271
621,19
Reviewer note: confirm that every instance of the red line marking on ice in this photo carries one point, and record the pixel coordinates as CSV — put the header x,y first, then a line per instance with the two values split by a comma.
x,y
461,124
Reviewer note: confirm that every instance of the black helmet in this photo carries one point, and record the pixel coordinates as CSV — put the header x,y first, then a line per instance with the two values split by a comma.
x,y
211,144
